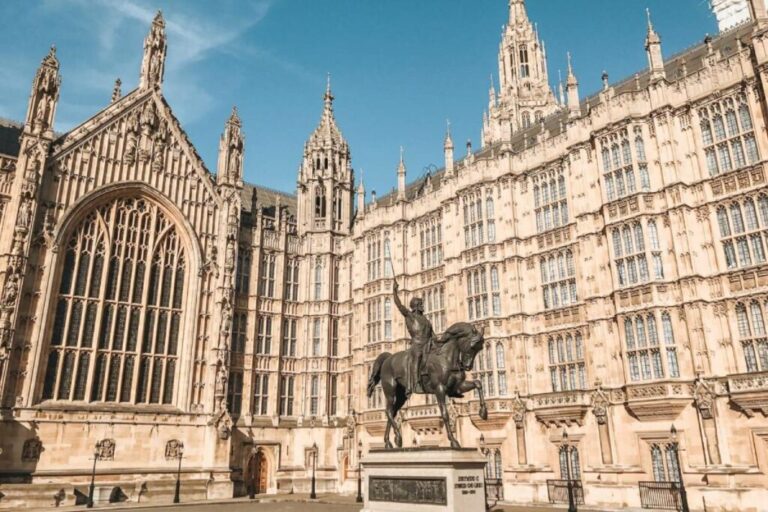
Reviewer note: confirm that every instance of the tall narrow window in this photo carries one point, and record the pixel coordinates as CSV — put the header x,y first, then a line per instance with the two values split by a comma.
x,y
477,293
286,395
123,267
318,280
374,258
632,251
267,280
495,291
566,362
264,338
744,233
524,65
316,337
334,337
243,273
260,394
387,258
239,329
550,200
334,395
490,216
292,280
750,320
647,358
387,319
288,348
314,396
431,243
235,392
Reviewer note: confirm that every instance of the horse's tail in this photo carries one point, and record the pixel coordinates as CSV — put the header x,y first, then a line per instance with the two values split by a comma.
x,y
376,372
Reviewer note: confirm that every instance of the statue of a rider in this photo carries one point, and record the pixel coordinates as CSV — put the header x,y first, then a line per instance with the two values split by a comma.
x,y
422,337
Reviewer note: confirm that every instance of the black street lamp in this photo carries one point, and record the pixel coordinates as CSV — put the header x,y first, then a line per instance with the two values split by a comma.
x,y
92,487
359,498
566,448
313,494
179,454
675,445
485,471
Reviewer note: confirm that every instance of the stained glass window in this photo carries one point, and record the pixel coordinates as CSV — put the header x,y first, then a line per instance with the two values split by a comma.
x,y
122,281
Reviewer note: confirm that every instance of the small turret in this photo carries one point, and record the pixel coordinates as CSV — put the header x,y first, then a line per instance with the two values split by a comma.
x,y
361,197
231,145
653,49
153,63
448,148
572,91
44,96
401,177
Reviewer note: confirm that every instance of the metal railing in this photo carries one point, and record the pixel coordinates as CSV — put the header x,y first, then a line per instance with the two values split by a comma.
x,y
660,495
558,491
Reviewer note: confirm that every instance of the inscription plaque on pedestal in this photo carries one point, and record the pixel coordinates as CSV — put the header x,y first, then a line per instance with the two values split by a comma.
x,y
420,491
424,479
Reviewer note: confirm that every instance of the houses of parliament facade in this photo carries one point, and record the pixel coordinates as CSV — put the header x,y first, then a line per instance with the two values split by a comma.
x,y
613,247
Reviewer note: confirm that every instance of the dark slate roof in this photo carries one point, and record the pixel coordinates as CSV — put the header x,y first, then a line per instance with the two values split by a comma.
x,y
10,131
267,199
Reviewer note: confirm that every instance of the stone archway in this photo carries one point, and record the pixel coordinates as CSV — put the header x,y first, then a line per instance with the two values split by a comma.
x,y
256,473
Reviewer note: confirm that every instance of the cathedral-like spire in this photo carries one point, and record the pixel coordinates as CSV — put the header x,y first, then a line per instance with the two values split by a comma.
x,y
231,145
361,197
44,96
524,93
653,49
153,63
327,132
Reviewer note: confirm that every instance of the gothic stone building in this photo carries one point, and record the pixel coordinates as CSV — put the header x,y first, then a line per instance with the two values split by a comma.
x,y
614,248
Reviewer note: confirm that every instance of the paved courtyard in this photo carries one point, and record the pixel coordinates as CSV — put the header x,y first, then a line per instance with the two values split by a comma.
x,y
285,503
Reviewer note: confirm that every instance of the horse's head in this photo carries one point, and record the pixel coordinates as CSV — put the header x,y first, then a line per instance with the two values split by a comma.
x,y
471,342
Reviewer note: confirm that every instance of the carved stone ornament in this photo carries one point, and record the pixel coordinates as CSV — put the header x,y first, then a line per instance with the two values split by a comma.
x,y
31,450
600,403
105,449
518,411
173,449
704,395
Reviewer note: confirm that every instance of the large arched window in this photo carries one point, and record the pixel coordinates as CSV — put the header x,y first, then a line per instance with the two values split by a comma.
x,y
119,308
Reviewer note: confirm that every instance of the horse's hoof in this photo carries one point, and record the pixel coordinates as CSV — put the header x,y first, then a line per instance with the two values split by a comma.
x,y
388,446
483,413
455,445
399,441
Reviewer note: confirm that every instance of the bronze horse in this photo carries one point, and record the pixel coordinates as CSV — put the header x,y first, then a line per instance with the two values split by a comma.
x,y
444,376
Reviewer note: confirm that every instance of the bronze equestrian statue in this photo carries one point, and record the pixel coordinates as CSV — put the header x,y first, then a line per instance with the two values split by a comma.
x,y
432,365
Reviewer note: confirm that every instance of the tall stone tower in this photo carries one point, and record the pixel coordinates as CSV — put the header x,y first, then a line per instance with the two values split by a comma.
x,y
326,179
524,95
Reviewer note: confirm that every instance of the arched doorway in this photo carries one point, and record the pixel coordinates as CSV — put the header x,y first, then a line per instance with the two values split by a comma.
x,y
256,473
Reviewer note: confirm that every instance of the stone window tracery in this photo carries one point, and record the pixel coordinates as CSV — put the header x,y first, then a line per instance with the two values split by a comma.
x,y
264,335
235,392
292,280
286,395
317,337
575,462
727,133
477,293
374,317
434,307
374,258
664,463
558,279
632,252
622,163
750,320
288,348
239,332
243,273
567,370
550,200
743,227
649,356
260,394
118,314
431,242
314,395
267,278
477,216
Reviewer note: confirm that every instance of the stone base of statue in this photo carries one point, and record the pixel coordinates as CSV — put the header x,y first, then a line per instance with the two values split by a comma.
x,y
424,479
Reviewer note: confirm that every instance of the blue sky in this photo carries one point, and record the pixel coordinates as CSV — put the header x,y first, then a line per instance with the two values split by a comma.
x,y
399,68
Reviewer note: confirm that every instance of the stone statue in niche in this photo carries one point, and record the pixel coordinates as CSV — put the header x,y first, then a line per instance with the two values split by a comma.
x,y
158,152
220,391
131,138
25,213
31,450
173,449
105,449
11,291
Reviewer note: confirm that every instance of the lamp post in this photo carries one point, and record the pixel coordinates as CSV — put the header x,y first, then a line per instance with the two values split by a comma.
x,y
481,443
179,454
359,498
313,494
566,448
675,445
92,487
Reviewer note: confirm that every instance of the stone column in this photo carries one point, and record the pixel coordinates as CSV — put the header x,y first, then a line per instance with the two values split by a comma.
x,y
519,417
600,405
704,396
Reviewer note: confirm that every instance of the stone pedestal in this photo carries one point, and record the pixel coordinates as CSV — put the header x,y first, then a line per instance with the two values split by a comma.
x,y
424,480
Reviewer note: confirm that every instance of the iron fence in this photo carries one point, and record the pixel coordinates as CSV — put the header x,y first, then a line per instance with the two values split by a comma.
x,y
660,495
558,491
